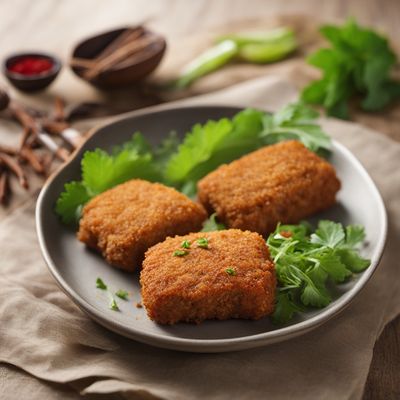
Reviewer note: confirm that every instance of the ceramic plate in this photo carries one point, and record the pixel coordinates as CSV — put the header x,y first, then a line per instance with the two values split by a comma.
x,y
76,269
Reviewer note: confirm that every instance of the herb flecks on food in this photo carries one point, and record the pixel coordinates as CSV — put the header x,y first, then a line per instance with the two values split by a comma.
x,y
180,253
306,262
231,271
202,242
185,244
358,63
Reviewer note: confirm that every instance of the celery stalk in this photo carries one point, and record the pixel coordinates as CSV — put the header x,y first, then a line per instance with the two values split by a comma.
x,y
264,47
209,61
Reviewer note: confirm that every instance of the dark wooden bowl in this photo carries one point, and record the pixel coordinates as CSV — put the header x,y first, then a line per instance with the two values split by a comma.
x,y
126,72
31,83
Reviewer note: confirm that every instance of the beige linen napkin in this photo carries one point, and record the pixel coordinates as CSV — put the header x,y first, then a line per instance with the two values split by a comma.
x,y
43,333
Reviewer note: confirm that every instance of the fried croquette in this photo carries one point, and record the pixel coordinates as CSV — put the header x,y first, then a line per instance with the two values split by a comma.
x,y
123,222
208,275
284,183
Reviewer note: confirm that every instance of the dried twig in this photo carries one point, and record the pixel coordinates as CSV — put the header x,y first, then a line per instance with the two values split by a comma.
x,y
29,155
8,150
14,167
59,109
4,187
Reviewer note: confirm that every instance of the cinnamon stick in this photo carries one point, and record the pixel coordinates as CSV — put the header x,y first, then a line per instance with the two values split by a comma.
x,y
59,106
54,127
124,37
14,167
29,155
25,136
4,187
8,150
119,54
50,144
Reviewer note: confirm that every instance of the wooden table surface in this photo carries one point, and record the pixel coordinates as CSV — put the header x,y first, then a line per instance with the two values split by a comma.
x,y
36,24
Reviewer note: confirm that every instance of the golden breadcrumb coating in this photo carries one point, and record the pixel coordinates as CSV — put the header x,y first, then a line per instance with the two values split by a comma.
x,y
284,183
123,222
233,278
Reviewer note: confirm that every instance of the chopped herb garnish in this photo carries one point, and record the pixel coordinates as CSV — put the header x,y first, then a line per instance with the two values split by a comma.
x,y
202,242
122,294
100,284
180,253
114,305
231,271
185,244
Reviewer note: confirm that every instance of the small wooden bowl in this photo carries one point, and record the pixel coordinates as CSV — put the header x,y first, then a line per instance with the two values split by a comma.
x,y
124,73
31,83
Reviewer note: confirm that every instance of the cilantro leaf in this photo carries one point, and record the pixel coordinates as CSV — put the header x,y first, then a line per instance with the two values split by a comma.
x,y
353,261
314,295
358,63
328,233
163,152
332,264
101,171
354,235
295,121
285,308
69,204
211,224
214,143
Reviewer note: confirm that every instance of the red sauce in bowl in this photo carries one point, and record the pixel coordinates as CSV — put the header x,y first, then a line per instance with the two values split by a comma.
x,y
31,65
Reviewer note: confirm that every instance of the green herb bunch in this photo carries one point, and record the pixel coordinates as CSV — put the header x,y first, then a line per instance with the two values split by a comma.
x,y
358,64
307,265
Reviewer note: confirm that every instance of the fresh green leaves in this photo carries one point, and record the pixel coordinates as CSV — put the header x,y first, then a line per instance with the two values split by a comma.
x,y
69,204
359,62
217,142
181,165
102,171
295,121
305,263
211,224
